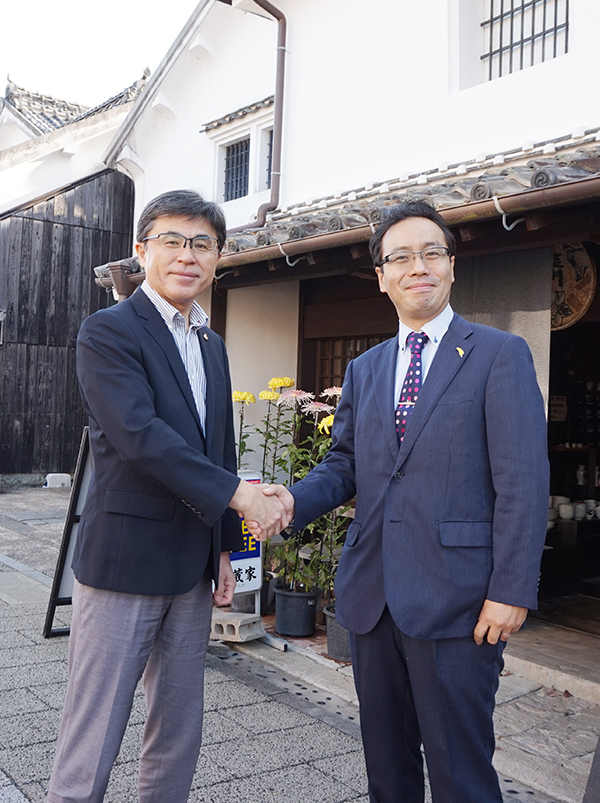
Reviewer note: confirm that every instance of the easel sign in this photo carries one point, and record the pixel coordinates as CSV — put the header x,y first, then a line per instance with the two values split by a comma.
x,y
62,587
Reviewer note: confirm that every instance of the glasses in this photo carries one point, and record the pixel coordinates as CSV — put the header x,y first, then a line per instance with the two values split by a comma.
x,y
429,255
202,244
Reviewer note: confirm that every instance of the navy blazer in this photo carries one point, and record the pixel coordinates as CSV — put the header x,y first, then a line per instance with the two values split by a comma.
x,y
156,512
457,514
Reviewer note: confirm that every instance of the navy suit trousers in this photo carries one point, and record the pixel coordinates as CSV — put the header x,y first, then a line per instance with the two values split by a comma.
x,y
438,692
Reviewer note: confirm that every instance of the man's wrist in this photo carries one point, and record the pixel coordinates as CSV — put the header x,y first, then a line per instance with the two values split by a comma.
x,y
241,496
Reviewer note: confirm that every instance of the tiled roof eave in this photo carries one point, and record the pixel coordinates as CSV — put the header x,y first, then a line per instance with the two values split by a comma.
x,y
586,189
239,114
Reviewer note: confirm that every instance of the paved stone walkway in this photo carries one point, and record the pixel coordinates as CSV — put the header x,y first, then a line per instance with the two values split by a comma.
x,y
279,726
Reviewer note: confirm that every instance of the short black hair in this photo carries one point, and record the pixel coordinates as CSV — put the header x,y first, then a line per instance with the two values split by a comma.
x,y
184,203
401,212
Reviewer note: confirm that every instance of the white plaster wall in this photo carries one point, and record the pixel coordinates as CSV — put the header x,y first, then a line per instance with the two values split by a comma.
x,y
229,64
373,92
47,163
11,134
262,342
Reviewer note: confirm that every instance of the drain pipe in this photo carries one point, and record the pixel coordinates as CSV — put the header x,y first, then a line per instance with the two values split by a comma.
x,y
273,203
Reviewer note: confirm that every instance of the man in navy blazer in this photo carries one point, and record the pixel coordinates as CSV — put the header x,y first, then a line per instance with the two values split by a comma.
x,y
442,559
161,515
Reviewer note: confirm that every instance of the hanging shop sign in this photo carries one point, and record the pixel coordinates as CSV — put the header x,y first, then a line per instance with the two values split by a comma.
x,y
573,284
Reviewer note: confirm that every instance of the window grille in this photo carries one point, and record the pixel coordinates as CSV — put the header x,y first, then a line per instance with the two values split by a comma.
x,y
521,33
237,168
333,356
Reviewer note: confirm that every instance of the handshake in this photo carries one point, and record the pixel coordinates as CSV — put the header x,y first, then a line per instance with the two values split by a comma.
x,y
267,509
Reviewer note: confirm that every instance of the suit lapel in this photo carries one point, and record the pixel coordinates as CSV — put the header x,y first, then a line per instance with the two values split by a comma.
x,y
451,355
159,331
383,370
207,342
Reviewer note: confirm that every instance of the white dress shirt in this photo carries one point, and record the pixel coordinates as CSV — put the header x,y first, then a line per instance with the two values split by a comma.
x,y
187,343
435,331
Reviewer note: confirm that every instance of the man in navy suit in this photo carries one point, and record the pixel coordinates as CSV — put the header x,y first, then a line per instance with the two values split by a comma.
x,y
161,514
441,434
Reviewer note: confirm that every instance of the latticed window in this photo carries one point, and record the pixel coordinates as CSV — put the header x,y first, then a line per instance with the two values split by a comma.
x,y
333,356
521,33
237,168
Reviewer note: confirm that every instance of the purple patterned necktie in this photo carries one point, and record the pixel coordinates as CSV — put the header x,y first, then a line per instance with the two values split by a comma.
x,y
412,382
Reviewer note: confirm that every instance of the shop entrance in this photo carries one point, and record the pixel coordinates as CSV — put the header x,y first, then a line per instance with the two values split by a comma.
x,y
570,580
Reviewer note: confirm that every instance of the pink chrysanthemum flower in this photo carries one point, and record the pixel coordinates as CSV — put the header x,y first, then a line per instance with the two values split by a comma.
x,y
290,398
330,393
315,407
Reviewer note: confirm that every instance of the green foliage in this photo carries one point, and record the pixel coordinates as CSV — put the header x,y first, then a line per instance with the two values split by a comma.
x,y
293,441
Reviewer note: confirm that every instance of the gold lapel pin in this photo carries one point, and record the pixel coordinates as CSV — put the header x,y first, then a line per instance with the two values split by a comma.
x,y
461,352
205,336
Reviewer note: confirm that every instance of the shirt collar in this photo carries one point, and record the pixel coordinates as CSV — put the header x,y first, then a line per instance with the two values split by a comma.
x,y
434,329
171,314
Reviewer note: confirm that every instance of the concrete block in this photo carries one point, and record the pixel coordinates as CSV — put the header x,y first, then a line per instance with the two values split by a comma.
x,y
58,481
236,626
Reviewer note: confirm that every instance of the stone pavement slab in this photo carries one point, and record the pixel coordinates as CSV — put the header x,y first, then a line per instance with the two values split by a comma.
x,y
556,656
16,589
279,726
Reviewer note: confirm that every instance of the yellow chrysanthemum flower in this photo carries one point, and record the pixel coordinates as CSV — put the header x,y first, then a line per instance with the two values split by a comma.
x,y
326,424
243,396
281,382
269,395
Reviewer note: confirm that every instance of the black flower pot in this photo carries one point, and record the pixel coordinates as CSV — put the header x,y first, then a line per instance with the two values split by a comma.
x,y
296,612
338,639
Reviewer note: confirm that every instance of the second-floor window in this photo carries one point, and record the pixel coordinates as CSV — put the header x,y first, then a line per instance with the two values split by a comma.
x,y
521,33
237,170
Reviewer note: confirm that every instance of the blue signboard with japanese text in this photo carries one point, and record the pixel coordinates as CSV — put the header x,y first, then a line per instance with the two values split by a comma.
x,y
247,563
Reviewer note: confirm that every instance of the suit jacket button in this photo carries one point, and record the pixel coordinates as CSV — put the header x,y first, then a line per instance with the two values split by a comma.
x,y
398,475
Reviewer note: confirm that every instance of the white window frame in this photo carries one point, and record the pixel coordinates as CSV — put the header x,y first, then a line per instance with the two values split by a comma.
x,y
255,127
468,41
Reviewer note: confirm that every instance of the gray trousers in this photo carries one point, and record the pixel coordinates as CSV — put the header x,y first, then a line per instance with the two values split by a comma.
x,y
115,639
592,790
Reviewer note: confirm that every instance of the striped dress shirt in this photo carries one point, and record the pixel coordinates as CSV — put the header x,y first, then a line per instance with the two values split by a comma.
x,y
187,343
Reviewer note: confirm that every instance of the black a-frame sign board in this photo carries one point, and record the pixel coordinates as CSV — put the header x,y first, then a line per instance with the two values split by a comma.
x,y
62,587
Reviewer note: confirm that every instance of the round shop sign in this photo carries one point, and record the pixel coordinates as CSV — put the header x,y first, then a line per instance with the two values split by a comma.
x,y
573,284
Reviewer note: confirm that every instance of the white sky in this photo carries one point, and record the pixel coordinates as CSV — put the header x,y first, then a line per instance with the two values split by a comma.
x,y
85,51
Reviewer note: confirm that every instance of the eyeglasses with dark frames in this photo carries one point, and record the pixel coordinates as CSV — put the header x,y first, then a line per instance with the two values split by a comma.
x,y
429,255
201,244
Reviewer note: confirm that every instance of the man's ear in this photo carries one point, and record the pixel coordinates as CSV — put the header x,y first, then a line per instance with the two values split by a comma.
x,y
141,253
379,272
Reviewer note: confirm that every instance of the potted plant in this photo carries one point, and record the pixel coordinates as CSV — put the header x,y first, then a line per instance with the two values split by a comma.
x,y
338,640
272,431
301,573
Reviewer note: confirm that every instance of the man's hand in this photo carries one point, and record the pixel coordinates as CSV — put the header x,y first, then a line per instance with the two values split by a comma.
x,y
287,500
282,493
223,594
499,621
265,514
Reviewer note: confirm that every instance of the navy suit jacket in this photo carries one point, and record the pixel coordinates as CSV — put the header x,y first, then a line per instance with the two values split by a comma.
x,y
457,514
156,512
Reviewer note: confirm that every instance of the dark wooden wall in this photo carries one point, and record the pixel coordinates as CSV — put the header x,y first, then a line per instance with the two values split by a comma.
x,y
47,252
